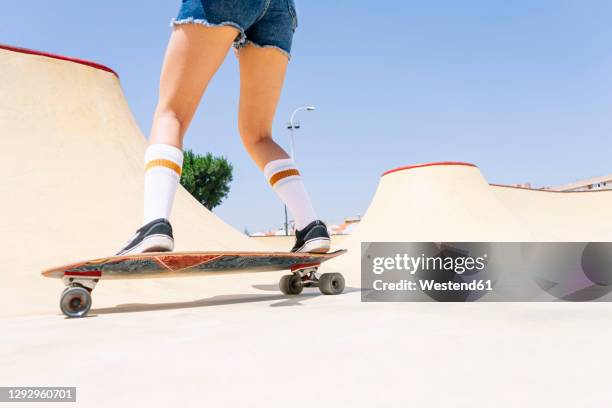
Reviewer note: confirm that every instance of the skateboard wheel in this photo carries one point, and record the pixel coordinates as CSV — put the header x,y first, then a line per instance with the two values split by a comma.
x,y
75,301
331,283
291,285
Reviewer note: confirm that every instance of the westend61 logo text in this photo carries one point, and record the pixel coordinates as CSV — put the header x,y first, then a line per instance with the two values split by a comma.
x,y
424,263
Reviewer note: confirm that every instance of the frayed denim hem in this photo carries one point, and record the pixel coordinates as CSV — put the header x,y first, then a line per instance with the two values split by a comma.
x,y
240,40
254,44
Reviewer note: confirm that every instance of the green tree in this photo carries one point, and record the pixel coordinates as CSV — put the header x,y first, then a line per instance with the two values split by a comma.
x,y
206,177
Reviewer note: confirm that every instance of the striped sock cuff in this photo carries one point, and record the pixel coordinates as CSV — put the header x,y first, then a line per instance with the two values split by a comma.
x,y
164,156
279,171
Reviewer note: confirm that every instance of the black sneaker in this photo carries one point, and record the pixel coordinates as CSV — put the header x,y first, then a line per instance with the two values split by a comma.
x,y
156,236
313,238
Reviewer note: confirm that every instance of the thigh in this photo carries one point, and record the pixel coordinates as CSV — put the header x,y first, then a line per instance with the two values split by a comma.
x,y
262,73
194,54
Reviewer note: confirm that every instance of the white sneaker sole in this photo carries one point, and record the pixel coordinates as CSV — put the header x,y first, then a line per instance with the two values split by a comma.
x,y
316,245
152,243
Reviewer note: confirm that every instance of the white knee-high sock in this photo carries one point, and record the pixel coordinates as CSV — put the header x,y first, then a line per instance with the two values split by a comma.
x,y
163,166
285,179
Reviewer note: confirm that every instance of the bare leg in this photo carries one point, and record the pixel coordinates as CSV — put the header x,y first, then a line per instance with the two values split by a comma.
x,y
262,73
194,54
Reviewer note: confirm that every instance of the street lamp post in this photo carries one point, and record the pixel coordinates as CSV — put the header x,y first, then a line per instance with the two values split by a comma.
x,y
292,125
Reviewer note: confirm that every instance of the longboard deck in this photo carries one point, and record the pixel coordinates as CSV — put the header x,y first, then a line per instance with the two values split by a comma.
x,y
174,264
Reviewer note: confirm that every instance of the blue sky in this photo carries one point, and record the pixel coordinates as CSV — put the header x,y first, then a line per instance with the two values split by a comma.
x,y
523,89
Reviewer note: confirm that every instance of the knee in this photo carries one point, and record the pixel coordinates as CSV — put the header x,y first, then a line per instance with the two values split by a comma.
x,y
169,115
253,135
171,119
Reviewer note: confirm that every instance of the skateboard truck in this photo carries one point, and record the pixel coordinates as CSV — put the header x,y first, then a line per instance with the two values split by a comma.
x,y
75,300
307,276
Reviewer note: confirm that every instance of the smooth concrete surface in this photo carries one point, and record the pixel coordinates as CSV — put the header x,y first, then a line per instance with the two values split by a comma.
x,y
320,351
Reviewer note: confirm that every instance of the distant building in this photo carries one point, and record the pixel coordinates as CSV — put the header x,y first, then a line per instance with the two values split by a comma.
x,y
595,183
343,228
523,185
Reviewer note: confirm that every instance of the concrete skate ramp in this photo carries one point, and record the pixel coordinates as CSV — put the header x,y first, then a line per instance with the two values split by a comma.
x,y
435,202
72,169
578,216
452,202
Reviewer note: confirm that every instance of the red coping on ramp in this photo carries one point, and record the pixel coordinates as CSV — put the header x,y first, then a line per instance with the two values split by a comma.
x,y
59,57
416,166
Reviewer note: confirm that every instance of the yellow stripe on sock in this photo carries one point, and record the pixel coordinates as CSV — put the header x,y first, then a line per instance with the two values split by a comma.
x,y
169,164
282,175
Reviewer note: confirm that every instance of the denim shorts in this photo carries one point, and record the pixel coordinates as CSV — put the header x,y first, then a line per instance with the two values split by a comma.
x,y
262,23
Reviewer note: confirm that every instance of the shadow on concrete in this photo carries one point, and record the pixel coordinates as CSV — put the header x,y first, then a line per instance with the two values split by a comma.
x,y
274,288
208,302
220,300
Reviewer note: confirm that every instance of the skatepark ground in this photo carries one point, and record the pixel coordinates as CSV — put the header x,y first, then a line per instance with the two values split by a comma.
x,y
235,340
328,351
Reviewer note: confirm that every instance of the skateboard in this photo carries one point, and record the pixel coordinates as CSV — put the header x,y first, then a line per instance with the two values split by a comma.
x,y
81,278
